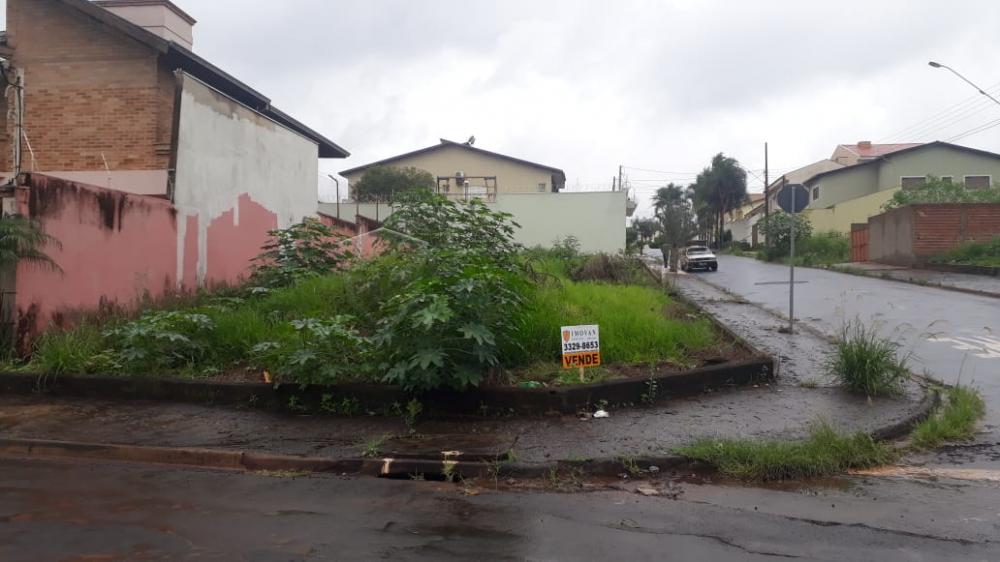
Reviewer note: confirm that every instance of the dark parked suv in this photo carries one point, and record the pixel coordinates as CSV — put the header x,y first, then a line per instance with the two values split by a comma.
x,y
698,257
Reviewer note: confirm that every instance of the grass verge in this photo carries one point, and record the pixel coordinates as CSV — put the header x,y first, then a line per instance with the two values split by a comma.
x,y
825,453
955,421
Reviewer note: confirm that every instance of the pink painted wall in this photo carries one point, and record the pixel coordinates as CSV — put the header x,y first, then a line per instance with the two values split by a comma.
x,y
118,247
233,244
366,246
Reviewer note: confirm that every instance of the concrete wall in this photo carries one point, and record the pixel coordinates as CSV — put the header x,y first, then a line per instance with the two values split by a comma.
x,y
841,216
890,237
230,157
115,248
445,161
597,219
118,247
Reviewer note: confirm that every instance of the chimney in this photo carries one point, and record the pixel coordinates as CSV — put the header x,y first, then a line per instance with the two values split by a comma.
x,y
161,17
864,144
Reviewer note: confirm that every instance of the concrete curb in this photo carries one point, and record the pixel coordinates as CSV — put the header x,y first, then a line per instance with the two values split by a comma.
x,y
862,273
401,468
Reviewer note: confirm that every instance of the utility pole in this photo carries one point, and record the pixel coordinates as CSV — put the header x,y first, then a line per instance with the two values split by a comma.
x,y
620,167
767,201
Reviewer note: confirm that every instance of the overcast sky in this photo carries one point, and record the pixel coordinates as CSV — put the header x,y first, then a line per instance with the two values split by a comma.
x,y
588,85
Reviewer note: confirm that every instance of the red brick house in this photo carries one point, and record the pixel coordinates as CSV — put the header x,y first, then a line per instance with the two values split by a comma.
x,y
155,169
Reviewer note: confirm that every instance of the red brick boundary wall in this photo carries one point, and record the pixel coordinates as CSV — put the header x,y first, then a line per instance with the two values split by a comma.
x,y
913,234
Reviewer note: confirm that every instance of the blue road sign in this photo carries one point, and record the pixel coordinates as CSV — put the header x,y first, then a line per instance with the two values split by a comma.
x,y
785,198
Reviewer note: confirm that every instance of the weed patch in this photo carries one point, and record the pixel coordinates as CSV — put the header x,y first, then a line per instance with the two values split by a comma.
x,y
825,453
956,420
866,363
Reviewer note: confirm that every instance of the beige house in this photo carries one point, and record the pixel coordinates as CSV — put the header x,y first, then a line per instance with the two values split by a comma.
x,y
531,193
463,170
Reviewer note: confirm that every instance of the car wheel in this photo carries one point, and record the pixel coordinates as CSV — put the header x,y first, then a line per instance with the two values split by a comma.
x,y
715,267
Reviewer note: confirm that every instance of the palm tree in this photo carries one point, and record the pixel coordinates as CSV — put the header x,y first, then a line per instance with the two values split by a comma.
x,y
721,188
667,196
21,240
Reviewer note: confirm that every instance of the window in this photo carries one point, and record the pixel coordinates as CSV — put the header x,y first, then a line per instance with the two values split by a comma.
x,y
911,182
816,193
977,182
541,188
946,179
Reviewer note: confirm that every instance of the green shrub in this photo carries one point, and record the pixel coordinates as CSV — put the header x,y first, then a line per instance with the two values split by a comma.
x,y
866,363
305,249
974,253
825,453
956,421
938,191
160,341
825,248
610,268
322,351
462,287
778,232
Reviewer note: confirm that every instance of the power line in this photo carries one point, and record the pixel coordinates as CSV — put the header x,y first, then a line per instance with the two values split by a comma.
x,y
948,113
975,130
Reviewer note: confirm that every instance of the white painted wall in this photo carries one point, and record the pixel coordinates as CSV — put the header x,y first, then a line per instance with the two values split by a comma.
x,y
226,150
597,219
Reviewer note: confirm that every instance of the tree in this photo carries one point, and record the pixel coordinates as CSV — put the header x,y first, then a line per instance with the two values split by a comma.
x,y
646,230
721,188
778,231
21,240
677,227
381,183
669,195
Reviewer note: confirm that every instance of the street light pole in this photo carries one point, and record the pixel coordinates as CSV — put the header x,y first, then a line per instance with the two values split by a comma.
x,y
967,81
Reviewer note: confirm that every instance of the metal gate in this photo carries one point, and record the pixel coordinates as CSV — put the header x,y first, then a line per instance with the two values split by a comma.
x,y
859,242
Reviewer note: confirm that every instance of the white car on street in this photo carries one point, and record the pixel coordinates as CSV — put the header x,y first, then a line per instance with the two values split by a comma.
x,y
698,257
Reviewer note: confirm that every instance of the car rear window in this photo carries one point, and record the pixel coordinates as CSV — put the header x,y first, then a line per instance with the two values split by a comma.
x,y
698,250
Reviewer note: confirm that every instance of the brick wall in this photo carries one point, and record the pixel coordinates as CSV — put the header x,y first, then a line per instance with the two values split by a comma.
x,y
915,233
941,227
92,94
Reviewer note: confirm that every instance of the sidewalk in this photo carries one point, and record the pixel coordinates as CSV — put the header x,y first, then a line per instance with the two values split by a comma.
x,y
975,284
783,409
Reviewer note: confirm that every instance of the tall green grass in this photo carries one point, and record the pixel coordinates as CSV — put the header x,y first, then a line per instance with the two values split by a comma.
x,y
633,322
974,253
825,453
956,421
866,363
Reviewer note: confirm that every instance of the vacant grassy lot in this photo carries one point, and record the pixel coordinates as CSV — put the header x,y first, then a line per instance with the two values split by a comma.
x,y
228,335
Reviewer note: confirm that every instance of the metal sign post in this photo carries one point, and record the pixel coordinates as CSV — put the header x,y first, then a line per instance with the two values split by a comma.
x,y
792,199
791,273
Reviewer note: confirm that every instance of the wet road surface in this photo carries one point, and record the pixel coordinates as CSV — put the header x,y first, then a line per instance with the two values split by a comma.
x,y
100,511
954,337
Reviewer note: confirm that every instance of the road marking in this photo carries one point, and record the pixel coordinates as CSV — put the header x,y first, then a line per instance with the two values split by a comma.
x,y
779,283
983,347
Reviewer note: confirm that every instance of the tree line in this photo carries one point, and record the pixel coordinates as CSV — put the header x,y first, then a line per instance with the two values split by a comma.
x,y
682,214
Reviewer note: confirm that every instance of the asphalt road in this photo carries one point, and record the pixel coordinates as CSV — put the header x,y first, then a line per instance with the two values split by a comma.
x,y
99,511
954,337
